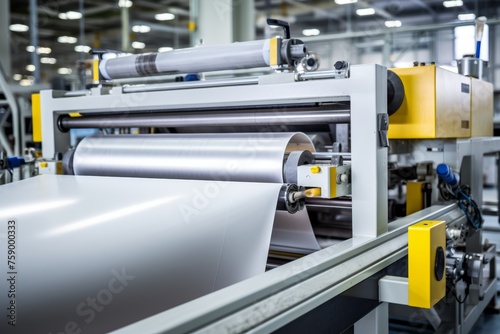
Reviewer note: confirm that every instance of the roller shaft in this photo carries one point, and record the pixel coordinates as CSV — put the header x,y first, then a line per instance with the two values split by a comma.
x,y
188,119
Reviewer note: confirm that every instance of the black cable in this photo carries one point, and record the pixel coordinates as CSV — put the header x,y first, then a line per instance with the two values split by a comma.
x,y
469,207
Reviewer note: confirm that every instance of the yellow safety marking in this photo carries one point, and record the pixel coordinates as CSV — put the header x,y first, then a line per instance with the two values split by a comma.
x,y
333,182
273,52
59,168
75,114
36,116
191,26
43,164
95,70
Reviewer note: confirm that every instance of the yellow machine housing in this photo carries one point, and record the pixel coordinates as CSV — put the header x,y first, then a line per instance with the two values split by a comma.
x,y
442,104
414,196
425,287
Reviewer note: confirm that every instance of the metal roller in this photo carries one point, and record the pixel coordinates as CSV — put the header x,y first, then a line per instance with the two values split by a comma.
x,y
249,157
189,119
201,59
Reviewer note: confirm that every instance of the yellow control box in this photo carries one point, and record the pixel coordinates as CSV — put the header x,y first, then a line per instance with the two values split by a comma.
x,y
441,104
426,263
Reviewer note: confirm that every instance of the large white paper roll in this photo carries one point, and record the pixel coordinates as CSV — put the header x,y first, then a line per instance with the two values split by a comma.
x,y
97,253
249,157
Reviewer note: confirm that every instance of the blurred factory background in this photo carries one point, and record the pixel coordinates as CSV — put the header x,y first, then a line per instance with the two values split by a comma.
x,y
390,143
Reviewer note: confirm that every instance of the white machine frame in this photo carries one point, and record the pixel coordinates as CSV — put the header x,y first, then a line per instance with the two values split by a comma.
x,y
365,89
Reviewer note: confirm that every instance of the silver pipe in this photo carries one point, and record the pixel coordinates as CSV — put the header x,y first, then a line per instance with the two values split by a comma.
x,y
125,20
187,119
81,68
190,84
318,75
35,60
328,203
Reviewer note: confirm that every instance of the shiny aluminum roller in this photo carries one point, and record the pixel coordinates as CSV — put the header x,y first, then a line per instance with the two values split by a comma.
x,y
275,52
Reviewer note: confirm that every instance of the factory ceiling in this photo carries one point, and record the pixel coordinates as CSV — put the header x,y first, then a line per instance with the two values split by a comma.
x,y
102,23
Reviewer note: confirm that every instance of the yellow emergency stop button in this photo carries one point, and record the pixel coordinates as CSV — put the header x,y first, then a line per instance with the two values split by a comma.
x,y
315,169
43,164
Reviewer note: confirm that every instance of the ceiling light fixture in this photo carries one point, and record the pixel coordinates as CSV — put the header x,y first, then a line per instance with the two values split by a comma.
x,y
345,2
453,3
40,49
82,48
30,68
71,15
365,11
26,82
17,77
310,32
19,27
165,49
125,3
466,17
138,45
44,51
393,24
165,17
64,70
141,29
48,60
67,39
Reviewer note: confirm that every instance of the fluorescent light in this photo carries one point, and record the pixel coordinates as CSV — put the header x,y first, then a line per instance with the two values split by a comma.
x,y
64,70
141,29
17,77
345,2
125,3
393,24
453,3
310,32
44,51
165,49
19,27
82,48
138,45
365,11
30,68
67,39
40,49
466,17
165,16
48,60
26,82
71,15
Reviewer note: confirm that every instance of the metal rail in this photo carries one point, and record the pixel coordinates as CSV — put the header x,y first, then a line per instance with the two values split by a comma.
x,y
267,302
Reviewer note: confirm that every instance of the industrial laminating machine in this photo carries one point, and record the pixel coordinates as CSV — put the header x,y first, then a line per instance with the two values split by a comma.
x,y
222,215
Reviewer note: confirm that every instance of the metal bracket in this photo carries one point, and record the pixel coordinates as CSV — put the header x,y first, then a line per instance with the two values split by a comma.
x,y
383,127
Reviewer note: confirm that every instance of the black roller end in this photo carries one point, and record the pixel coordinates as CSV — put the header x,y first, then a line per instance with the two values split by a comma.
x,y
395,92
